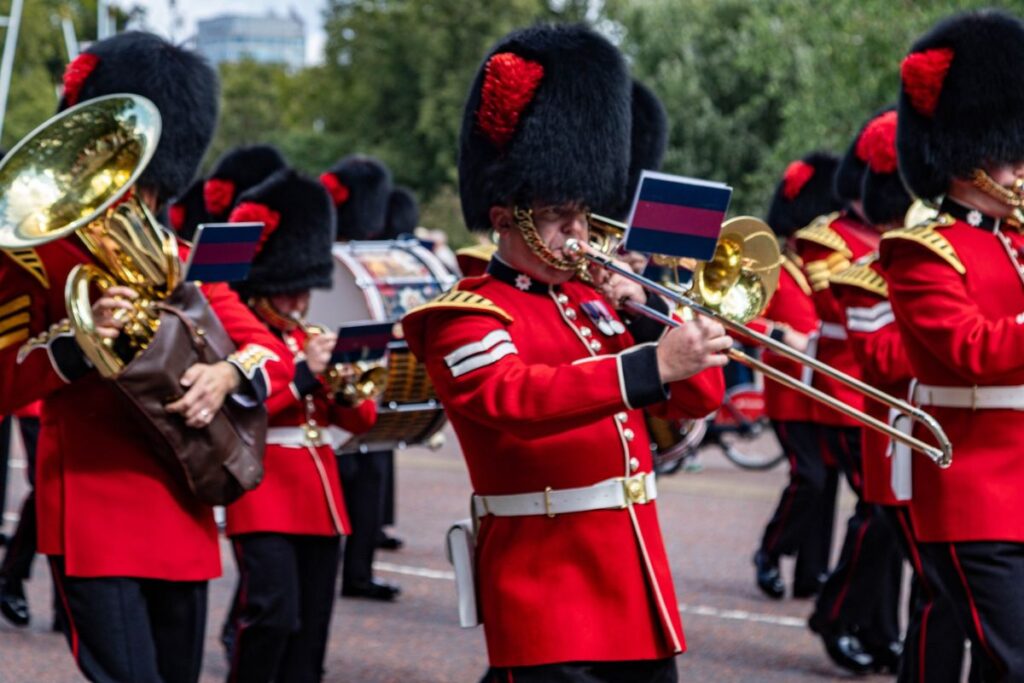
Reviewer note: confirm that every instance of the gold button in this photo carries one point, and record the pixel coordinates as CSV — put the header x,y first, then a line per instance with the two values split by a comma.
x,y
562,299
585,331
628,433
634,464
621,417
595,345
570,314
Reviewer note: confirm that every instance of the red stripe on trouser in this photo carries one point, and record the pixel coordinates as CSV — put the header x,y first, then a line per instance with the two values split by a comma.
x,y
915,557
834,614
235,614
67,614
975,616
922,646
855,472
790,492
510,677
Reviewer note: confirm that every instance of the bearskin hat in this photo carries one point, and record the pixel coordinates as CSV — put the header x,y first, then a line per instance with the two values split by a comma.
x,y
179,82
295,251
961,100
235,172
547,119
403,213
360,187
804,193
188,211
852,165
882,193
648,140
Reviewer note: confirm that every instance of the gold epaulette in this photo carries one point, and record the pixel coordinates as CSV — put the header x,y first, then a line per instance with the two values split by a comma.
x,y
484,252
927,236
456,299
820,232
793,268
14,320
819,272
864,277
30,261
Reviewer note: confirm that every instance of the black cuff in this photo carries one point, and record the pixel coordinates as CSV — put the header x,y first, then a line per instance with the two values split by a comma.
x,y
646,329
68,357
641,381
305,381
777,333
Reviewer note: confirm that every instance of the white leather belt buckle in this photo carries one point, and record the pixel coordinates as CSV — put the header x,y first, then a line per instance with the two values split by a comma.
x,y
620,492
973,398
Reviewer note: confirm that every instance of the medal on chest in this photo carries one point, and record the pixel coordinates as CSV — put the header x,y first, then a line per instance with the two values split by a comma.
x,y
602,318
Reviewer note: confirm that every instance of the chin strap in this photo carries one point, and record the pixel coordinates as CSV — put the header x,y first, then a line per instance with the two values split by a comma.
x,y
1013,197
263,308
524,221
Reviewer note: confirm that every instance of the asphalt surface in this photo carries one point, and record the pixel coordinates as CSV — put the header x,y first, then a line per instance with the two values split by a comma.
x,y
711,521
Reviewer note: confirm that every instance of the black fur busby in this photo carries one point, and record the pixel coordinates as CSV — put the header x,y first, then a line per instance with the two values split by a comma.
x,y
853,164
648,140
360,187
180,83
295,254
883,196
961,100
547,119
235,172
403,213
188,211
804,193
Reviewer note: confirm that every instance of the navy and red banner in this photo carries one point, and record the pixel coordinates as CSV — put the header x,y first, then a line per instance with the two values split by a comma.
x,y
362,341
677,216
223,252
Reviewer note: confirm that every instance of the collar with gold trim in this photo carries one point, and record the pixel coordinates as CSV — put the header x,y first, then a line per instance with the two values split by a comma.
x,y
500,270
969,215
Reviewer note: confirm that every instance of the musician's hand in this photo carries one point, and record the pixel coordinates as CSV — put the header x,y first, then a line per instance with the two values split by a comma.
x,y
318,351
107,312
618,289
794,339
207,387
696,345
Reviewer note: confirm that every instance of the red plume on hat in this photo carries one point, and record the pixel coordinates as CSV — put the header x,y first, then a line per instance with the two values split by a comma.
x,y
509,84
923,74
252,212
218,193
338,190
75,75
877,144
795,177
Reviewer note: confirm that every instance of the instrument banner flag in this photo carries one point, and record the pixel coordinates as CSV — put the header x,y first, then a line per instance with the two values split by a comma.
x,y
223,252
362,341
677,216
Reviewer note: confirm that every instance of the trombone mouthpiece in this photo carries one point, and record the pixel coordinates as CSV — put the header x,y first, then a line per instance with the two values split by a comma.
x,y
573,249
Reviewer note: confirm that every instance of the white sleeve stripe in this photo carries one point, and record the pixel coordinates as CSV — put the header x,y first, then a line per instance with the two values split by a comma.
x,y
870,325
473,349
622,381
484,359
866,314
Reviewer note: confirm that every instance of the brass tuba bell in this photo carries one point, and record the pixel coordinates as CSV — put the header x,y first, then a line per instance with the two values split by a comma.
x,y
75,174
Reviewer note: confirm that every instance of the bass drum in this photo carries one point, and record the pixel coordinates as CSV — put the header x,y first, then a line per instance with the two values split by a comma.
x,y
382,281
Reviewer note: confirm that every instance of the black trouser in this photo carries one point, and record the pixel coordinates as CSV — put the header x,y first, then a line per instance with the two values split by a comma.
x,y
646,671
5,456
863,590
21,548
985,583
798,525
933,647
138,630
363,476
388,515
282,614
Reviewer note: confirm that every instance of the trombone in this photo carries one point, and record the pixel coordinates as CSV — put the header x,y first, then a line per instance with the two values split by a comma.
x,y
733,288
355,382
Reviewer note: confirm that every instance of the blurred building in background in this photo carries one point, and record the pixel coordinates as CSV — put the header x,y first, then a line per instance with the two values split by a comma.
x,y
267,38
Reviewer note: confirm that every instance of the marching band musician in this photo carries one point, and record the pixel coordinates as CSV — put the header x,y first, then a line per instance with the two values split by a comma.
x,y
933,647
803,519
956,285
543,383
286,532
131,548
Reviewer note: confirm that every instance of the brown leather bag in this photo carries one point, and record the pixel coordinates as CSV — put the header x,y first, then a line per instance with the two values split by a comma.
x,y
223,460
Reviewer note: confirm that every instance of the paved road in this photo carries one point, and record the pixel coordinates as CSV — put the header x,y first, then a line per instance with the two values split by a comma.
x,y
711,521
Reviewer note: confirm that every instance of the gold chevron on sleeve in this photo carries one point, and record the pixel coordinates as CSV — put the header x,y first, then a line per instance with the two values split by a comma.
x,y
863,277
14,321
927,236
458,300
820,232
30,261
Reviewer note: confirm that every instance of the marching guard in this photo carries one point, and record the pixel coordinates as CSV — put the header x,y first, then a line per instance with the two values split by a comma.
x,y
544,383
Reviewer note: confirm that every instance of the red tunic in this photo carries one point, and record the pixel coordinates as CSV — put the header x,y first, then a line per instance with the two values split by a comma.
x,y
828,246
963,329
104,502
863,295
537,402
300,492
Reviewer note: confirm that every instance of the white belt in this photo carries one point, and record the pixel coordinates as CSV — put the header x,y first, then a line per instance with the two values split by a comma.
x,y
974,398
299,437
611,493
833,331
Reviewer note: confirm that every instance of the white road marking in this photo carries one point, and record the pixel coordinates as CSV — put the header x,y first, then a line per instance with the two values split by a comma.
x,y
698,610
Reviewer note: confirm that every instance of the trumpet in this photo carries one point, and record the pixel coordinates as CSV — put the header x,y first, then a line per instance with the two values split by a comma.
x,y
733,288
352,382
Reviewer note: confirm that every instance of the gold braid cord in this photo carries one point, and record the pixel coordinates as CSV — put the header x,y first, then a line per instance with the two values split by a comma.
x,y
1011,197
524,221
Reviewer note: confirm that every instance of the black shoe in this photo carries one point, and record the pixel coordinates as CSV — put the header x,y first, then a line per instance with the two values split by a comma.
x,y
808,589
3,539
13,604
373,590
389,542
767,575
843,647
887,657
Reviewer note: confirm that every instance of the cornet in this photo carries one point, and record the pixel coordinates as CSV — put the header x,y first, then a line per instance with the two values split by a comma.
x,y
353,382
